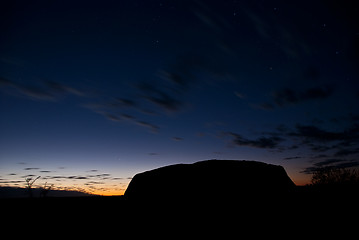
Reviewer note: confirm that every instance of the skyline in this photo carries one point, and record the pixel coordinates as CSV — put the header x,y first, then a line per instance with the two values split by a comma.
x,y
93,93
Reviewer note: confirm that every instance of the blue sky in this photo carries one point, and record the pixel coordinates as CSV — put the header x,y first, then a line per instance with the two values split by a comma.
x,y
116,88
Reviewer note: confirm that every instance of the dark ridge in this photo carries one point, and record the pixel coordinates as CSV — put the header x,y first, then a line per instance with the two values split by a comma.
x,y
211,180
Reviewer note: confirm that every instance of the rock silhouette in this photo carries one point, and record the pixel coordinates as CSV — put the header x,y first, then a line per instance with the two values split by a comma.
x,y
211,180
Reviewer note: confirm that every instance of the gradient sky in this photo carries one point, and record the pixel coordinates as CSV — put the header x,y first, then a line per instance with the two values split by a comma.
x,y
93,92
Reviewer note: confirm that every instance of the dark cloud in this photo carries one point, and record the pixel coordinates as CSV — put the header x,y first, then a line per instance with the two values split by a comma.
x,y
28,176
13,182
309,170
125,102
312,134
77,177
31,168
92,177
54,177
346,152
5,82
127,117
330,163
285,96
93,183
165,101
162,95
262,142
115,116
31,91
153,128
102,175
320,156
316,134
348,164
162,98
288,96
36,93
292,158
263,106
315,93
179,78
340,147
326,144
177,138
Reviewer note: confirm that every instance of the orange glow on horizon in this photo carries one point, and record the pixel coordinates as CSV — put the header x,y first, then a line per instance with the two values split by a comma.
x,y
301,180
109,192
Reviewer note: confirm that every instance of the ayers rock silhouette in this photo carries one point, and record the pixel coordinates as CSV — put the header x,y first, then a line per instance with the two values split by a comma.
x,y
212,179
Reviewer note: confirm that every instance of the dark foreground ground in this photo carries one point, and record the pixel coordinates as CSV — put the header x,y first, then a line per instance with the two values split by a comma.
x,y
303,200
306,212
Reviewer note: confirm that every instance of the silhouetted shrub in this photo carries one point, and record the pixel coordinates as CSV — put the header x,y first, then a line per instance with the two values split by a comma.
x,y
45,190
335,177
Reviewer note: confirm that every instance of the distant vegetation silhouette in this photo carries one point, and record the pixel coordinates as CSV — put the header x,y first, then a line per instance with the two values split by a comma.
x,y
45,190
29,183
337,182
335,177
330,188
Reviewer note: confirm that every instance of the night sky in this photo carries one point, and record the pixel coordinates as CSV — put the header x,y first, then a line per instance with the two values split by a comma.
x,y
93,92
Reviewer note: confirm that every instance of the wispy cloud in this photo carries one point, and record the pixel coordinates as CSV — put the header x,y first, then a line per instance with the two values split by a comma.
x,y
261,142
153,128
59,88
35,93
42,91
112,110
112,117
268,27
163,98
117,114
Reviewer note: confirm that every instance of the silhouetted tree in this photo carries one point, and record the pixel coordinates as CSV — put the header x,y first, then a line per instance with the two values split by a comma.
x,y
335,177
30,182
